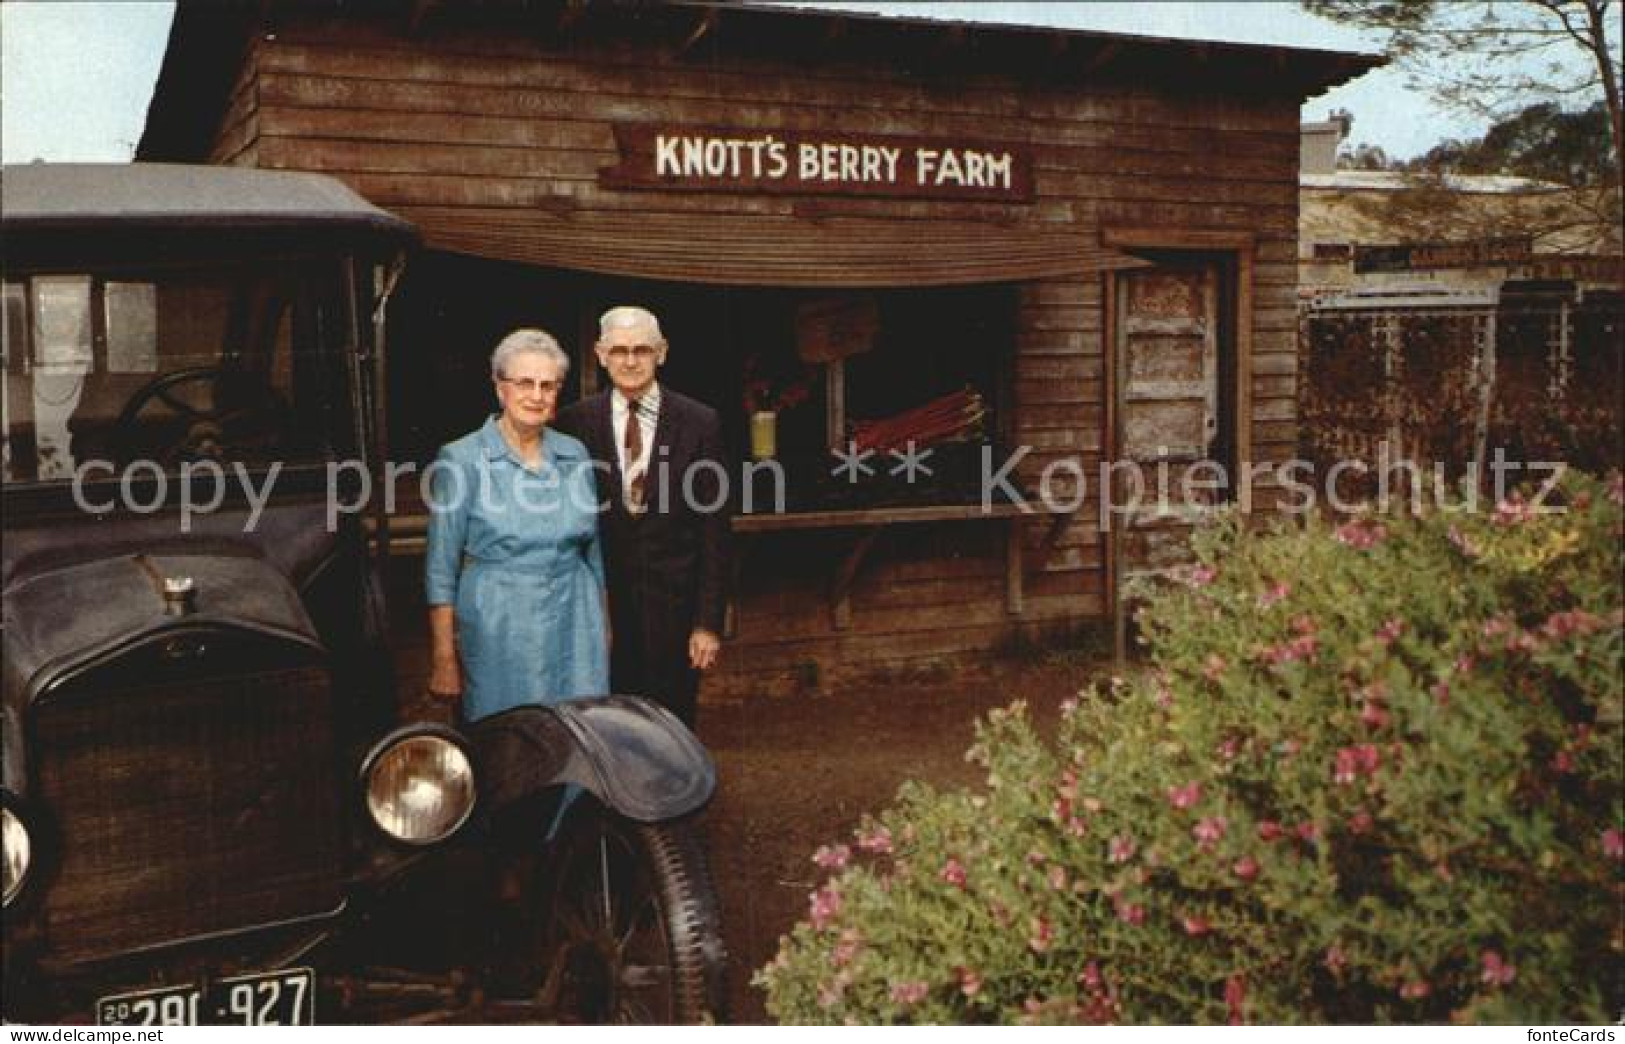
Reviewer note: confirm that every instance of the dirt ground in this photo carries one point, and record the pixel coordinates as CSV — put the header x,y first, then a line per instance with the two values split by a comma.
x,y
798,772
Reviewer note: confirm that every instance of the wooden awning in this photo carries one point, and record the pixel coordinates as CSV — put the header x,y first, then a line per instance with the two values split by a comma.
x,y
767,250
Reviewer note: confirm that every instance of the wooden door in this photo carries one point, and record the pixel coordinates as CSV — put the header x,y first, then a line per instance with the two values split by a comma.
x,y
1170,417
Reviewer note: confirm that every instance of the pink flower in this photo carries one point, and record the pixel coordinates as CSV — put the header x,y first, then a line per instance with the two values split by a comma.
x,y
970,983
1186,796
1361,534
1303,647
1464,543
1373,714
876,842
1208,832
1229,748
1274,594
1270,830
1308,832
1127,912
1043,935
1090,978
1235,999
909,994
1195,925
1245,868
1569,623
1121,849
1361,822
1613,843
832,857
1335,960
1390,631
1441,693
1497,972
1199,575
1351,763
1513,511
953,871
824,906
1563,762
1416,989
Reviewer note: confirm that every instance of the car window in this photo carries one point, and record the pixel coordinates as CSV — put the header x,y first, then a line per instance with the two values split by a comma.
x,y
231,363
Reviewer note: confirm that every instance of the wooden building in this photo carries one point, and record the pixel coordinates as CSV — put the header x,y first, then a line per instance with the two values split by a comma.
x,y
1084,243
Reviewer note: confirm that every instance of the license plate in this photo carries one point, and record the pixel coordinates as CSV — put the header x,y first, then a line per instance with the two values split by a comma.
x,y
281,998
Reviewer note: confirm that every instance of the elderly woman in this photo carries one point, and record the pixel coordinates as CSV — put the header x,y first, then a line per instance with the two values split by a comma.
x,y
515,576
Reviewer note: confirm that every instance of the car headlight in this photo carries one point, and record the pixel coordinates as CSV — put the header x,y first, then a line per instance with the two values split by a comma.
x,y
420,788
16,851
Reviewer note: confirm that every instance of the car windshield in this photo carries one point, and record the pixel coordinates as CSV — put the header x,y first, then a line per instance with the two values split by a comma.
x,y
230,362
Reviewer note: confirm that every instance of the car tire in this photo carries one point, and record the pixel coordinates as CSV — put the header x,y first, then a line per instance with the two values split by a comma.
x,y
653,953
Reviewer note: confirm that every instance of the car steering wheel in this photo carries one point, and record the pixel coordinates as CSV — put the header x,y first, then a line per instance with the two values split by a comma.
x,y
244,414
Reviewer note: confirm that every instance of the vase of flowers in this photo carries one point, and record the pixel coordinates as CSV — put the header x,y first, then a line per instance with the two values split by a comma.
x,y
765,399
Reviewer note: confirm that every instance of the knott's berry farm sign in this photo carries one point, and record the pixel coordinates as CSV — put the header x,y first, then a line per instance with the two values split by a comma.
x,y
722,160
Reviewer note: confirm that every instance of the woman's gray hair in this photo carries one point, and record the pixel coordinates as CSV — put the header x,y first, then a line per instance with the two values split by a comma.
x,y
624,316
527,341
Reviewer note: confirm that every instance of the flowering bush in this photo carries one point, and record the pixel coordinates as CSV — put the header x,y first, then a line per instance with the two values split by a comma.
x,y
1372,773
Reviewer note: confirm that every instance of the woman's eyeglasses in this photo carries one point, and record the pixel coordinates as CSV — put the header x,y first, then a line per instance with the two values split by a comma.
x,y
531,386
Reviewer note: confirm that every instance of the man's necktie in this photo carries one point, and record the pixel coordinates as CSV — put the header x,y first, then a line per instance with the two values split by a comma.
x,y
635,470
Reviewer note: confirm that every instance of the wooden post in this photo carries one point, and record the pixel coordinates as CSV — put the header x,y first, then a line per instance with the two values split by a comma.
x,y
1484,334
1015,564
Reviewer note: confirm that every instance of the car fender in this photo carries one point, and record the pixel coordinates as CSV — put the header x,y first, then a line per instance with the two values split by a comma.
x,y
632,754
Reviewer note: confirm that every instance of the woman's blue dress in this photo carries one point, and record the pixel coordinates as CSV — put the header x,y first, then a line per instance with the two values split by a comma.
x,y
515,552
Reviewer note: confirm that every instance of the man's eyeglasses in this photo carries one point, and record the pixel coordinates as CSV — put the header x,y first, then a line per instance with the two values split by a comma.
x,y
530,385
640,352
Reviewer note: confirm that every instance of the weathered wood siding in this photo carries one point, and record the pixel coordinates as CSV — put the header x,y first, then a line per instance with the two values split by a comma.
x,y
485,120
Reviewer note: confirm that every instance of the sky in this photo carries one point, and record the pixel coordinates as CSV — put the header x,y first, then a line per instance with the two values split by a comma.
x,y
76,75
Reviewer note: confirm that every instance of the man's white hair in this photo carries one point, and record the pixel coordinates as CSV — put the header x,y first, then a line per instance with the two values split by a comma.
x,y
625,317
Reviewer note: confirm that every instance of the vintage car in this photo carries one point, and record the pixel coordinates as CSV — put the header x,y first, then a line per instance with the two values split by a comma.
x,y
213,811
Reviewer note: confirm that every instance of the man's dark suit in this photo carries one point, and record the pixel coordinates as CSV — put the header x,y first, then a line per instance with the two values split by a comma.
x,y
667,567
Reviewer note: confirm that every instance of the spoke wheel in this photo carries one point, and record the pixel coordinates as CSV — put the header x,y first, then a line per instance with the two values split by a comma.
x,y
631,924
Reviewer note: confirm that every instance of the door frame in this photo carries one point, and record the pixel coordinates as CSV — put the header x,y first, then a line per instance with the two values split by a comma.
x,y
1236,248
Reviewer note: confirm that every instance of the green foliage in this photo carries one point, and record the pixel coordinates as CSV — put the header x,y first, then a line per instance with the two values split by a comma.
x,y
1540,141
1373,773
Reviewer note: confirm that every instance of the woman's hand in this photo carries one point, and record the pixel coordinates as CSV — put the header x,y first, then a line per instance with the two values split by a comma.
x,y
445,672
446,680
703,648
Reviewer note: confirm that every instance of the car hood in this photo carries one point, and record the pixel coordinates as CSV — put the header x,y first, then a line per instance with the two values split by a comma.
x,y
59,621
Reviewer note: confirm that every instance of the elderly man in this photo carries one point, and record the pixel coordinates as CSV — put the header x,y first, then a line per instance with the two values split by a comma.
x,y
665,532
